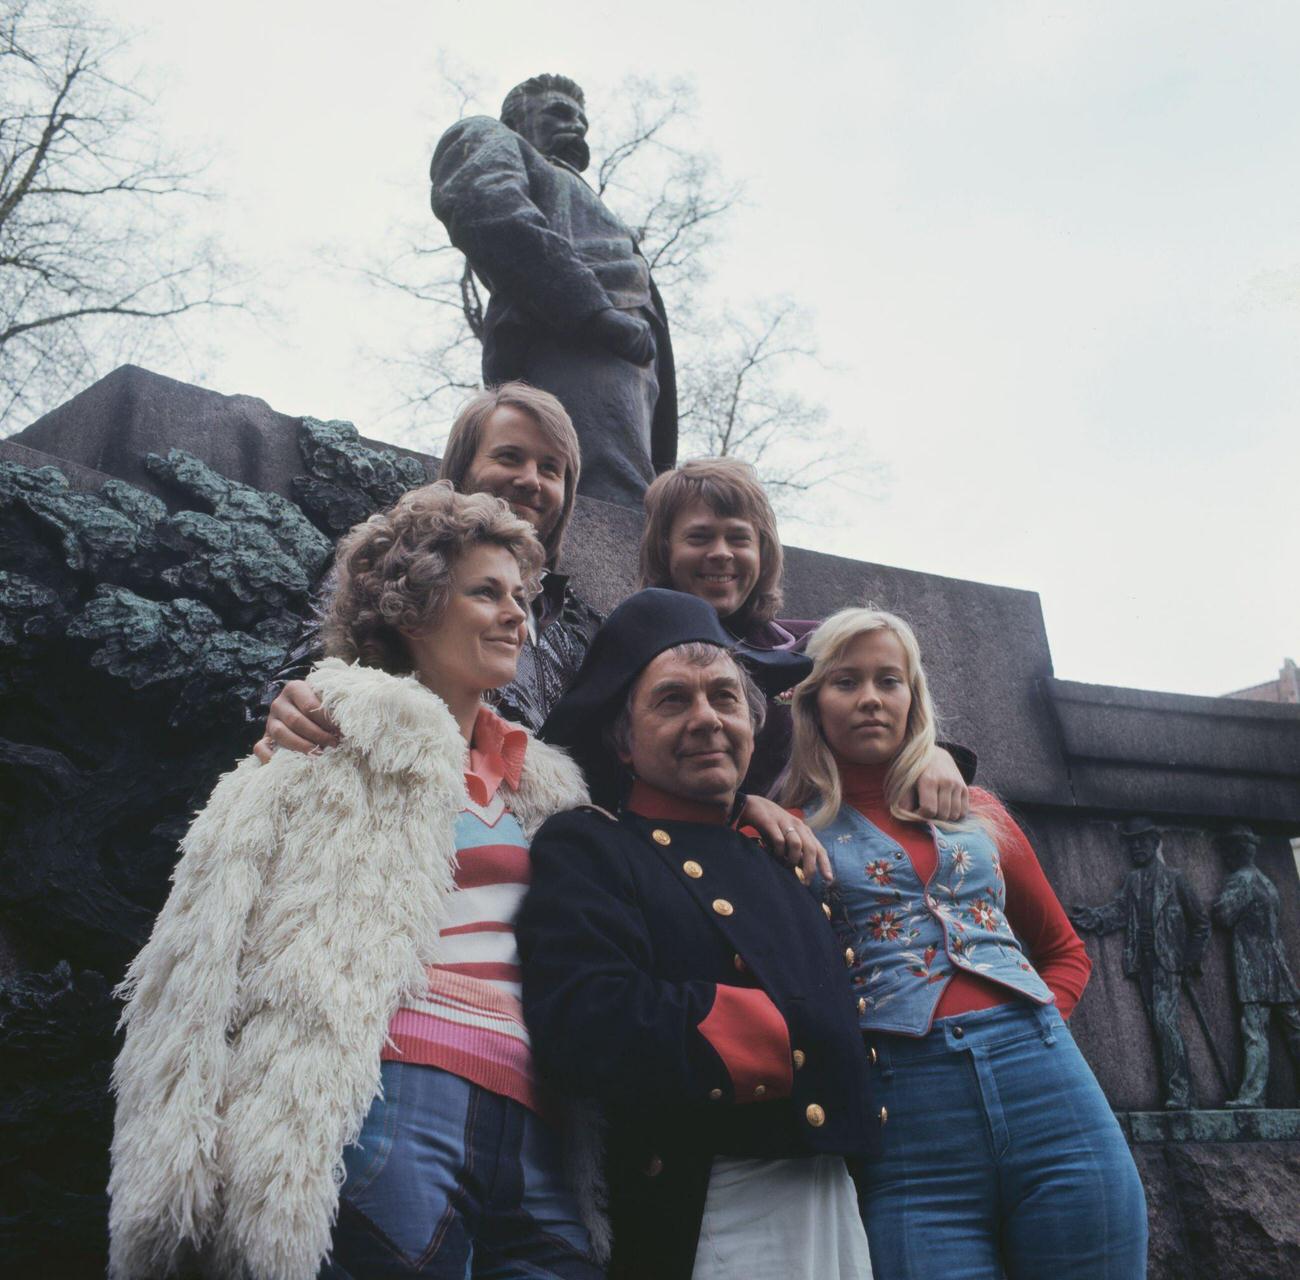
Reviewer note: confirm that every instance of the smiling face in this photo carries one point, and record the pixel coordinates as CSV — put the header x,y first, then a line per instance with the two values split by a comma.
x,y
557,126
864,701
474,645
517,463
690,731
714,557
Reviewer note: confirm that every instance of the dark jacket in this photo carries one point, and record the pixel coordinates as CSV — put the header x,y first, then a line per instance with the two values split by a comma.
x,y
630,941
564,624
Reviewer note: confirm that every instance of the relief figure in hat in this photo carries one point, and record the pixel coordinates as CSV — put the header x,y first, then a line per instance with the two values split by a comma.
x,y
1248,904
1165,932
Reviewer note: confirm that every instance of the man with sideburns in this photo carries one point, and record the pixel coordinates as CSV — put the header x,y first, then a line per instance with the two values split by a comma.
x,y
684,980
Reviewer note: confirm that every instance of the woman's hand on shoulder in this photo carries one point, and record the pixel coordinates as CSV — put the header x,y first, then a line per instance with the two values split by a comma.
x,y
941,791
788,838
297,722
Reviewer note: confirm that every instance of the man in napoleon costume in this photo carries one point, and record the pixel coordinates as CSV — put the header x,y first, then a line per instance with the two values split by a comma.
x,y
685,980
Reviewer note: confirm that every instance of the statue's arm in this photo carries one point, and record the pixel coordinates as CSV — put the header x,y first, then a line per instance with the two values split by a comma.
x,y
1231,902
1106,918
482,193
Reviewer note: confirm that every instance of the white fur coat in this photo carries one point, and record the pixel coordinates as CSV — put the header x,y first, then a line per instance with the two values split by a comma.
x,y
306,904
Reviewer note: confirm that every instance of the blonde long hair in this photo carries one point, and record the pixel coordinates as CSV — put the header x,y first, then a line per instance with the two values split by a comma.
x,y
812,779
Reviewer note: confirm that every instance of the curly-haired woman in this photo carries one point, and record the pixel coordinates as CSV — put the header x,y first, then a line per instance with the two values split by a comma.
x,y
331,993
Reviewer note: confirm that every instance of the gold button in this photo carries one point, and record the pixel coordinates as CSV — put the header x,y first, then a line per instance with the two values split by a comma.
x,y
654,1168
660,836
800,876
799,1058
722,906
849,957
826,910
862,1004
815,1115
693,869
884,1114
874,1057
760,1090
739,961
715,1095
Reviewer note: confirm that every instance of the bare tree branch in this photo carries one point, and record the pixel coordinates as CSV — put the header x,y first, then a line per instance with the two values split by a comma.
x,y
735,401
95,259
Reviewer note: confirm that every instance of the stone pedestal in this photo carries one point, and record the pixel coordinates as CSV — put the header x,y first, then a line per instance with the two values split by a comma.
x,y
1223,1192
142,602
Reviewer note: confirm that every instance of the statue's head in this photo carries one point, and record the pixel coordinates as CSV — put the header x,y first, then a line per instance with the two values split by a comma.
x,y
549,111
1239,844
1141,838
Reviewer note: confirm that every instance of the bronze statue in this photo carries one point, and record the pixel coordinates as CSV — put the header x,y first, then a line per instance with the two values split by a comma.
x,y
1165,932
1248,904
573,308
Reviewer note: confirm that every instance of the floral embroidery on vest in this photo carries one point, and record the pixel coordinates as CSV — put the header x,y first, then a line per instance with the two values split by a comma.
x,y
908,938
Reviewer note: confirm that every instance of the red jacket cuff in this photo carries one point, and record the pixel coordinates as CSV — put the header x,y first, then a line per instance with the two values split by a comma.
x,y
749,1034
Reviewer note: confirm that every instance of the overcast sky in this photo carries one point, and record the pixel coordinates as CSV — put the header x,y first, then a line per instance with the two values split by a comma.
x,y
1053,252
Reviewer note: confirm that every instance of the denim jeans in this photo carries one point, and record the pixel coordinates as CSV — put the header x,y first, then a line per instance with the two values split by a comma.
x,y
451,1181
1001,1157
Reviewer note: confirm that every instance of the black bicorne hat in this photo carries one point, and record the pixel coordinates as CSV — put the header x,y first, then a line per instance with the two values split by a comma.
x,y
637,632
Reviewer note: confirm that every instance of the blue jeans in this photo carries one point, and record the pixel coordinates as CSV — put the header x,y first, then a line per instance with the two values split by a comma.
x,y
449,1181
1001,1157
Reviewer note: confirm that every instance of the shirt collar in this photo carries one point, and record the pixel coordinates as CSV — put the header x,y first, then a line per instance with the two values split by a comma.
x,y
496,754
650,802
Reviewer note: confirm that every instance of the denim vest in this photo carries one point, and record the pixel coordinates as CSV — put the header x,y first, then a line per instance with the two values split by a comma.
x,y
903,939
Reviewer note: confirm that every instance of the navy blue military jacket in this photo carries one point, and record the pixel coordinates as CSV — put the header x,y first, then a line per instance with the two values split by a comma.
x,y
679,975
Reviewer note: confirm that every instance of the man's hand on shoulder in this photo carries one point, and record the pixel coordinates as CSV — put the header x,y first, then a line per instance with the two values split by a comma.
x,y
297,722
628,337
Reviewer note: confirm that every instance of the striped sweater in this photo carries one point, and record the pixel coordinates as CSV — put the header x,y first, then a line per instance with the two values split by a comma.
x,y
470,1021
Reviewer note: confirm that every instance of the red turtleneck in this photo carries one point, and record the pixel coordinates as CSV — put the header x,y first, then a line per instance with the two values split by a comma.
x,y
1032,909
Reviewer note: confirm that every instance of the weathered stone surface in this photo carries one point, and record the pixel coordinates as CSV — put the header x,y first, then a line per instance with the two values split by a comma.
x,y
1086,863
349,480
1263,1125
91,535
115,424
112,427
135,627
1174,753
1222,1211
55,1121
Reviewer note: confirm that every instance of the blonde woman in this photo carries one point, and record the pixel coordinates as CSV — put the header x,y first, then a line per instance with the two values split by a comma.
x,y
1000,1154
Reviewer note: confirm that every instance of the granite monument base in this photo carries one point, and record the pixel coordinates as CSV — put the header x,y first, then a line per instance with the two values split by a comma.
x,y
157,546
